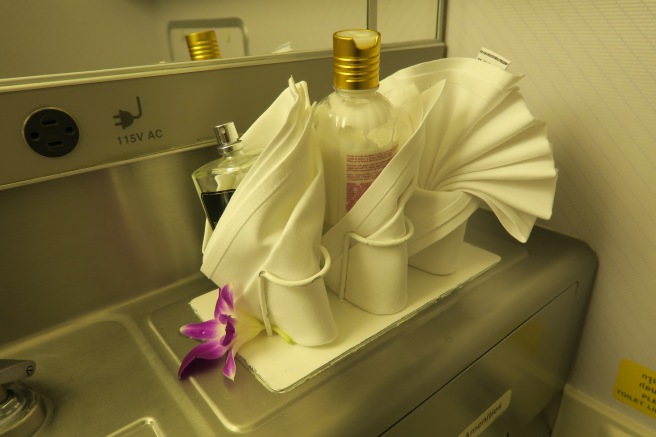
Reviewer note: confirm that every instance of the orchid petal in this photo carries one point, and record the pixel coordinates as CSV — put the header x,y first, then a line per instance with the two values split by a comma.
x,y
209,350
230,334
202,331
225,319
225,302
230,367
226,333
229,297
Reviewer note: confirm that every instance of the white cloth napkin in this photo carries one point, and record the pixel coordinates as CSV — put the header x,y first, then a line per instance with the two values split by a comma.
x,y
481,142
273,224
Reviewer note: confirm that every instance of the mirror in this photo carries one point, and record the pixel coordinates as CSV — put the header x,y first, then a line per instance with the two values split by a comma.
x,y
54,37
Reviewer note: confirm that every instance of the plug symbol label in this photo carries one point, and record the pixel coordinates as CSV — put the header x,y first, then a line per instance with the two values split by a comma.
x,y
125,118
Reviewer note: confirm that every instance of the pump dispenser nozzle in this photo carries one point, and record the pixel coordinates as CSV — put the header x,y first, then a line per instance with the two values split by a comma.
x,y
227,138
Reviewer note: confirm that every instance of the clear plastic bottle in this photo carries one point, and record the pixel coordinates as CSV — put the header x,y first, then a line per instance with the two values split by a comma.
x,y
217,180
356,126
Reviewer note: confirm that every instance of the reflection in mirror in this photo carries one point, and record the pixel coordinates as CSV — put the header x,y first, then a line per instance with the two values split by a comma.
x,y
45,37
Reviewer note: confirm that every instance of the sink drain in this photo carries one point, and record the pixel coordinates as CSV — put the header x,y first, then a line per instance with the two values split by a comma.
x,y
23,411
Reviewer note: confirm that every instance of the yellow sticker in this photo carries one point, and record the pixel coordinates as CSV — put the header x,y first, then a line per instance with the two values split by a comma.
x,y
636,386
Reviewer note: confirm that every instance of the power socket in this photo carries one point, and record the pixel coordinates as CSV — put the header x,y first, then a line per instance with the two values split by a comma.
x,y
51,132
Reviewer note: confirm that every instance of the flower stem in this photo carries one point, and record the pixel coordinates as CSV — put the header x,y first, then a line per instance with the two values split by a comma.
x,y
282,333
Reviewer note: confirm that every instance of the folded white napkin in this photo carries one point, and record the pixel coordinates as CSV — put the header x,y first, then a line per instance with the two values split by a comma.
x,y
481,143
272,226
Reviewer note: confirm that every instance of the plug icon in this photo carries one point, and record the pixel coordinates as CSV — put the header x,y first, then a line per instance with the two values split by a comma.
x,y
125,118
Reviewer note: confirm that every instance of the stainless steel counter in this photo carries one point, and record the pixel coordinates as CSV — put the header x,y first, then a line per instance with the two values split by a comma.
x,y
513,328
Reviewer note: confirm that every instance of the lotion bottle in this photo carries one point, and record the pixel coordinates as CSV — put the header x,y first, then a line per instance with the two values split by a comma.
x,y
217,180
356,126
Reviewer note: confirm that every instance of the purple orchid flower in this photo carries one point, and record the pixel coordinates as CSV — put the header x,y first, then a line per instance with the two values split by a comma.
x,y
225,333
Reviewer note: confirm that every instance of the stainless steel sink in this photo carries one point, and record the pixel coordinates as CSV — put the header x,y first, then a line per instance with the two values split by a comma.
x,y
100,376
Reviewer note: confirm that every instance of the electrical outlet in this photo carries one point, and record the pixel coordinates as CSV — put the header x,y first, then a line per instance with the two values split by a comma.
x,y
51,132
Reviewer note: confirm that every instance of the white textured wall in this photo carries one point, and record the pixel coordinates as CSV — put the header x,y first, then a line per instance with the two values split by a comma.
x,y
591,74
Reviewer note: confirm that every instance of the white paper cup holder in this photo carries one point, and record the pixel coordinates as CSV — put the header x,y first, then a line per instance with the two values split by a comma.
x,y
410,230
264,277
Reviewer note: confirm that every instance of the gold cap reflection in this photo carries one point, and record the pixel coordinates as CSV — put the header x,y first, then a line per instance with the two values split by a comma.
x,y
356,59
203,45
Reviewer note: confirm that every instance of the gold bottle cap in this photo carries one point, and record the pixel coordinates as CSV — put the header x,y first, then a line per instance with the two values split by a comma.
x,y
203,45
356,59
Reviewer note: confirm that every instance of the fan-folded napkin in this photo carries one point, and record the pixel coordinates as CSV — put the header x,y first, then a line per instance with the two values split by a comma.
x,y
481,143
